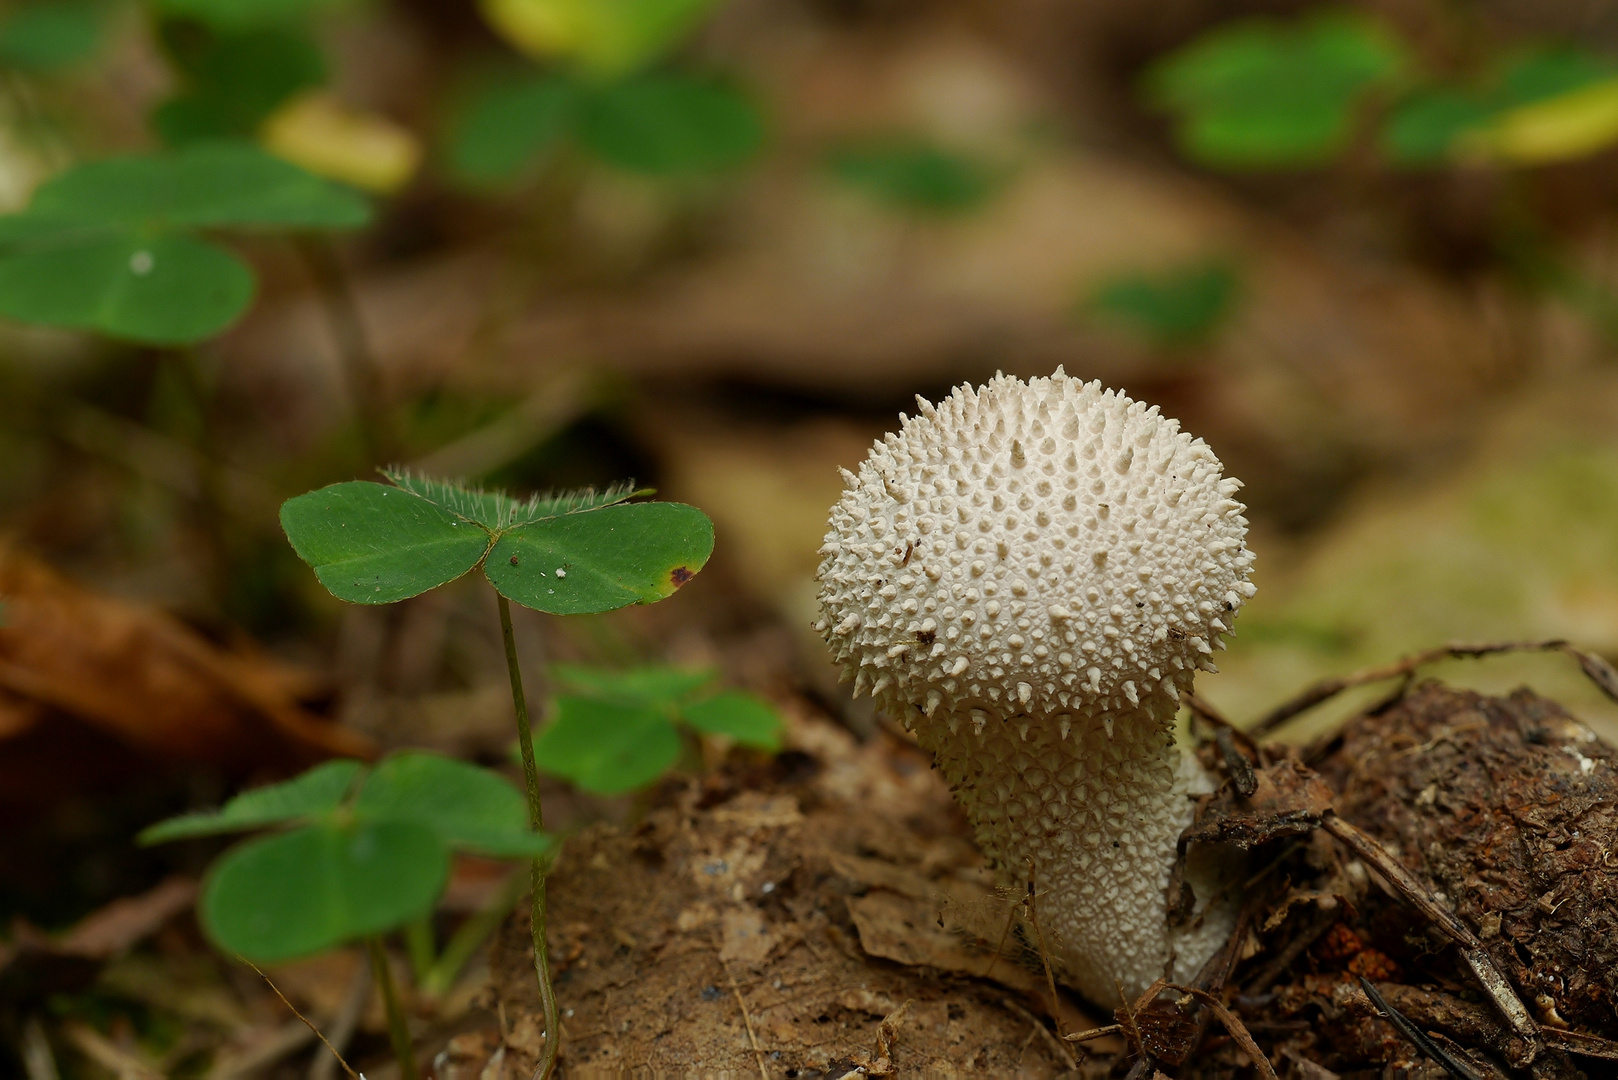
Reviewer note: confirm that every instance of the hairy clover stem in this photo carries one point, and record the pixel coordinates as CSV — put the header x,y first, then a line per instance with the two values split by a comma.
x,y
398,1028
536,819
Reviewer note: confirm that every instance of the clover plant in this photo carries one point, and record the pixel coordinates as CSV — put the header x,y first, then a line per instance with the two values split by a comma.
x,y
1173,308
356,852
117,245
232,80
619,730
916,175
1541,104
598,90
567,554
1261,94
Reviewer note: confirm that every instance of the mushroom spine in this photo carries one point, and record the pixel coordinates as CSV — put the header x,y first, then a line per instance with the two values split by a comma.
x,y
1028,575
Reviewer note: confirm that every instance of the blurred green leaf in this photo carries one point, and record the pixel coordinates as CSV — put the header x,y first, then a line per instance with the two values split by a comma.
x,y
1425,125
670,124
1535,105
506,127
916,175
1178,307
604,747
212,185
297,893
466,806
1536,74
655,686
233,80
104,246
245,14
1258,94
603,559
375,544
45,36
166,290
318,791
605,37
744,717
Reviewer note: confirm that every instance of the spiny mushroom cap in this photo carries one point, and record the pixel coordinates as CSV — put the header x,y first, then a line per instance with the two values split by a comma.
x,y
1033,548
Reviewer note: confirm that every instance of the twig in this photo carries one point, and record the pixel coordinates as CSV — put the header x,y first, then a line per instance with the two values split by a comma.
x,y
1408,886
1598,670
346,1067
1241,772
1058,1044
1094,1033
39,1062
1204,710
1453,1065
1366,847
1044,956
109,1055
1233,1024
1577,1042
747,1021
325,1066
1011,917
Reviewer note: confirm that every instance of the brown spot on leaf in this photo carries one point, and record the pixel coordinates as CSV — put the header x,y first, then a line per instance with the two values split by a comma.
x,y
514,560
680,575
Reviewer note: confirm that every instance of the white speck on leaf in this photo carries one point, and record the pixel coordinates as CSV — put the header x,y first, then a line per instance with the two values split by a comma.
x,y
141,263
560,572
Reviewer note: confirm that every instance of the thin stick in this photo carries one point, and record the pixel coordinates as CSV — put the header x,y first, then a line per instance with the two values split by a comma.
x,y
1408,886
300,1016
1597,669
1452,1064
1039,935
398,1028
324,1067
1233,1024
1011,917
747,1021
536,821
1057,1043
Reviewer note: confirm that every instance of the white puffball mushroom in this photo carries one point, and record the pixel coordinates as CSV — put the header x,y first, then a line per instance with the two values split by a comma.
x,y
1028,575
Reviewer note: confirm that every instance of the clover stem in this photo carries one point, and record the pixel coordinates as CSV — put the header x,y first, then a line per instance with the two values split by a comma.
x,y
398,1029
536,820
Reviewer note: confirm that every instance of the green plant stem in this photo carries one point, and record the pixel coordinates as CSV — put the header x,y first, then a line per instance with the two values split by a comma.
x,y
418,935
398,1029
469,935
536,820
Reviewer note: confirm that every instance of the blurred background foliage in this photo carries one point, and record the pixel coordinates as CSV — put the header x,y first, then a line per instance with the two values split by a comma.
x,y
1367,251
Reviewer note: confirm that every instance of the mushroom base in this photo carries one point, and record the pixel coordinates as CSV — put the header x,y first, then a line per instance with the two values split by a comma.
x,y
1096,816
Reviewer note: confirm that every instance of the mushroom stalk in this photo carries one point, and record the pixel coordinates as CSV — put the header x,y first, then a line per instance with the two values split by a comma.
x,y
1029,575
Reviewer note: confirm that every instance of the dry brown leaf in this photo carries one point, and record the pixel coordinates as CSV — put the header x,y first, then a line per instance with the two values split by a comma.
x,y
145,678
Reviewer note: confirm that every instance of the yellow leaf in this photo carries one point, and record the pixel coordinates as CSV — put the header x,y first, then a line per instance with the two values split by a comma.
x,y
317,132
541,28
1561,128
607,37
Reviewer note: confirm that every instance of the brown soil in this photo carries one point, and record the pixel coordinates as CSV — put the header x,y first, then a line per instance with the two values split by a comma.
x,y
826,915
